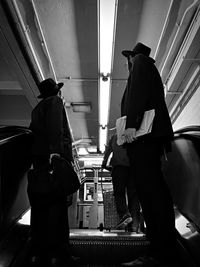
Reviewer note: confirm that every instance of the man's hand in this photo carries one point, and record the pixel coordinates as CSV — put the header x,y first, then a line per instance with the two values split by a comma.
x,y
130,135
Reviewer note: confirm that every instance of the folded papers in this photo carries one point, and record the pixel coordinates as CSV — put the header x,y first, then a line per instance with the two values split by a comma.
x,y
145,126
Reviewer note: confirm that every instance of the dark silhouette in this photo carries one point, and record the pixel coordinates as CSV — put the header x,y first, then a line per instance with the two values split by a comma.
x,y
144,91
49,213
123,185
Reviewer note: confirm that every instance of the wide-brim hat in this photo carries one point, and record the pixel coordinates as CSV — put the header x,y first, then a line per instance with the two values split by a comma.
x,y
140,48
49,87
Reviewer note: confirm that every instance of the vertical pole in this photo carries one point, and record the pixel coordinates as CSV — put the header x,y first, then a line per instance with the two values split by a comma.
x,y
93,215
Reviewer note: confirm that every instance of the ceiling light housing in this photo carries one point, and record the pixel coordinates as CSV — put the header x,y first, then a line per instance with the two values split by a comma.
x,y
84,107
107,13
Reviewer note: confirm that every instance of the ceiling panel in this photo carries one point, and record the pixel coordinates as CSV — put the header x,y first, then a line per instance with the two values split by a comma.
x,y
70,30
64,36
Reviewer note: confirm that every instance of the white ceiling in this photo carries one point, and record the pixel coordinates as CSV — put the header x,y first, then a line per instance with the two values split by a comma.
x,y
64,36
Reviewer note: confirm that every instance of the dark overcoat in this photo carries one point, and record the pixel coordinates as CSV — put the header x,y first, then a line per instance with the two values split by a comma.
x,y
50,129
144,91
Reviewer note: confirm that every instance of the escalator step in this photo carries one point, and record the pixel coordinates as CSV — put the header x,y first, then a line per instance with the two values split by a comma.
x,y
107,248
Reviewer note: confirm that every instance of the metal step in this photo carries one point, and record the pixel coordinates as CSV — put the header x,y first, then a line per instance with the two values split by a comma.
x,y
104,247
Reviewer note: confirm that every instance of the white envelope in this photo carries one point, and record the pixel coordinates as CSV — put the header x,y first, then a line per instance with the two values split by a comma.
x,y
145,126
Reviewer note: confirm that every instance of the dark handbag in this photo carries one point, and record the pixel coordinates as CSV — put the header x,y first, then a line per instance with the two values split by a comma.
x,y
43,188
58,180
42,181
64,172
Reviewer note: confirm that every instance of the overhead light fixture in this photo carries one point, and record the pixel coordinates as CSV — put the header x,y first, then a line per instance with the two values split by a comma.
x,y
92,149
92,161
84,107
90,158
107,13
82,151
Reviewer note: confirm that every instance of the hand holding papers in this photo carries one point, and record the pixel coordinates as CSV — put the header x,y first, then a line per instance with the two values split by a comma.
x,y
145,126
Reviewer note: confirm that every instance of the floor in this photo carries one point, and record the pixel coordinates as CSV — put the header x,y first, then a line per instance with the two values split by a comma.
x,y
106,248
102,248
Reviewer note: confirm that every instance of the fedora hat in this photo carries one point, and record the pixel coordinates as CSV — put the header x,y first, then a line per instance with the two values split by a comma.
x,y
140,48
49,87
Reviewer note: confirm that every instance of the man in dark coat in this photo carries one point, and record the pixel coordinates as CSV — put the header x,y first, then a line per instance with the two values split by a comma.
x,y
49,123
49,214
144,91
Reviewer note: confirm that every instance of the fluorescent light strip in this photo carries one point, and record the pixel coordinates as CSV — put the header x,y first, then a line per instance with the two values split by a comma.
x,y
102,138
104,103
107,18
104,95
107,14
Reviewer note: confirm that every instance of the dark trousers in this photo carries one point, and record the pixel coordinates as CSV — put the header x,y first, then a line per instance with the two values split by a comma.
x,y
49,220
49,228
123,184
154,196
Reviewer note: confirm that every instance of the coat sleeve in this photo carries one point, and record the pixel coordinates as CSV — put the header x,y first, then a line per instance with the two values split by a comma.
x,y
67,139
138,92
54,125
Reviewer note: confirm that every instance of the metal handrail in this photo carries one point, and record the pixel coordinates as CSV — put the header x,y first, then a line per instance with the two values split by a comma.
x,y
15,131
187,129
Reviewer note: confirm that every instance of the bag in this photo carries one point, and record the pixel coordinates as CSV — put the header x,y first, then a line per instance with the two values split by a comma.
x,y
64,172
59,181
43,189
41,181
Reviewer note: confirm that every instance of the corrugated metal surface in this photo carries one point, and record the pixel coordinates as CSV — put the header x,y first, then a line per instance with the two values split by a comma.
x,y
190,114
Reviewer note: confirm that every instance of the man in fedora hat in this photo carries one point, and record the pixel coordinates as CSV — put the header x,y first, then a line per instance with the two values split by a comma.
x,y
49,123
144,91
49,87
49,214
